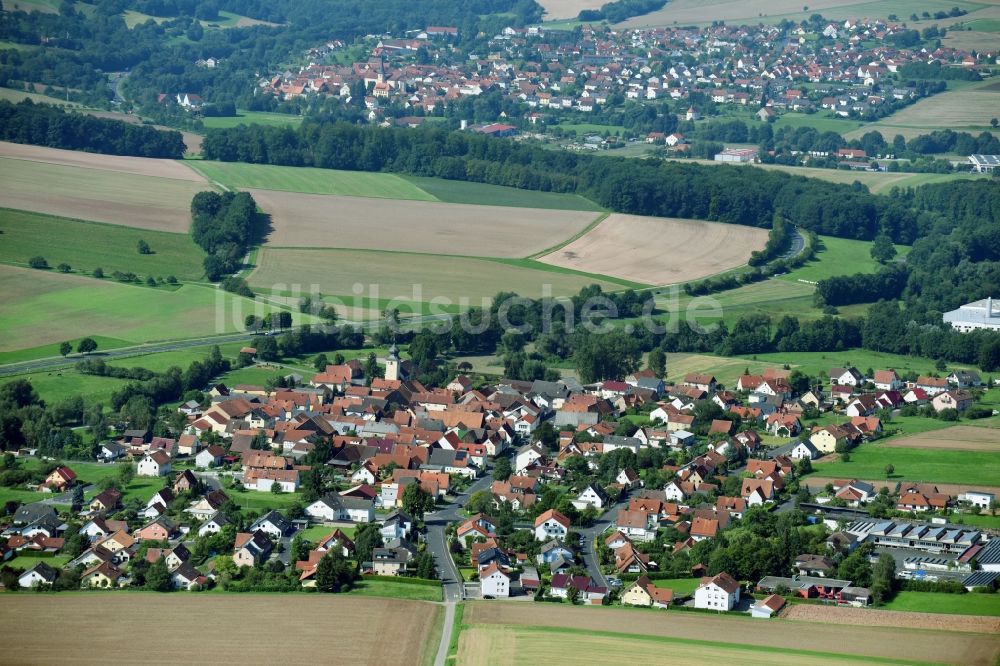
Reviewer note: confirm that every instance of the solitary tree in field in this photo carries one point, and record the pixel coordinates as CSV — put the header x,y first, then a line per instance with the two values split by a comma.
x,y
86,346
143,247
994,122
65,348
64,267
38,262
889,470
98,272
658,362
883,250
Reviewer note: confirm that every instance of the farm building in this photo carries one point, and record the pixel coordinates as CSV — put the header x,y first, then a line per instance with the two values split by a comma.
x,y
738,155
984,163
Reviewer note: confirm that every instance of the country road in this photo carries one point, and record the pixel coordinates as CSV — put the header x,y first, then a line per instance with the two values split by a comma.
x,y
590,536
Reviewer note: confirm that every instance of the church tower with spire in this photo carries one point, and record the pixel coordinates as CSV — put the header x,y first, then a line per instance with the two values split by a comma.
x,y
392,364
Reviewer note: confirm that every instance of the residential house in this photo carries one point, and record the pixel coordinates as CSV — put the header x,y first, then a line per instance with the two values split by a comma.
x,y
643,593
958,400
40,574
551,525
156,463
767,606
251,549
494,582
592,496
720,593
333,507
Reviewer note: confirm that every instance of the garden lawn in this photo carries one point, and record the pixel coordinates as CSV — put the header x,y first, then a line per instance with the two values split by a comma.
x,y
263,501
868,461
461,191
941,602
682,587
27,561
387,588
308,180
89,245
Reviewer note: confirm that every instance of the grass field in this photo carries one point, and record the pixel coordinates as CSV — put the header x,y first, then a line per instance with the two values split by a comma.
x,y
821,122
114,197
840,256
819,363
410,277
357,621
659,250
868,461
681,586
307,180
42,307
964,108
465,192
939,602
501,633
88,245
244,117
388,588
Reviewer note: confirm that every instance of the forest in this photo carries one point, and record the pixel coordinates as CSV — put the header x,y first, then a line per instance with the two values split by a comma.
x,y
45,125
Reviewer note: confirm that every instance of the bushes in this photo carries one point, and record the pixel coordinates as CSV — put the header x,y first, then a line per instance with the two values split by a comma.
x,y
223,226
39,263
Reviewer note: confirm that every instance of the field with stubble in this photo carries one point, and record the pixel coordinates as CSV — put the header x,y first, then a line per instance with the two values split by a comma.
x,y
724,639
214,629
658,250
313,220
130,191
957,438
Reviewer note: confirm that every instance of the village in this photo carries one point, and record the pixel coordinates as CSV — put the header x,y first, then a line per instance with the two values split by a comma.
x,y
541,490
846,69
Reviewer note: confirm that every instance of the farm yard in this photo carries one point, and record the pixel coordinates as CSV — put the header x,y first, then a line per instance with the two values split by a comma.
x,y
659,250
311,220
110,247
314,618
41,308
114,197
749,640
398,274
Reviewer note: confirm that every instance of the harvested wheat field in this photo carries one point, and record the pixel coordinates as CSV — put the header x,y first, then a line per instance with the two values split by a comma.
x,y
886,618
213,629
659,250
316,220
958,438
883,642
99,195
567,9
139,166
691,12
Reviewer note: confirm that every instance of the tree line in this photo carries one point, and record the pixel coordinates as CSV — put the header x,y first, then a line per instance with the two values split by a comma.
x,y
736,195
46,125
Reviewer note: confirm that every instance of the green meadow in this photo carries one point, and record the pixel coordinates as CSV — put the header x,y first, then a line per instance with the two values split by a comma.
x,y
461,191
868,461
309,180
89,245
244,117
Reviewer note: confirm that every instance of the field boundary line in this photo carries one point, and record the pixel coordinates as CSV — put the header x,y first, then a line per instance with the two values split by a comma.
x,y
586,230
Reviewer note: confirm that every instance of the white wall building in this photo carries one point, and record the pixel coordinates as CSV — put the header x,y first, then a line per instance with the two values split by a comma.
x,y
973,316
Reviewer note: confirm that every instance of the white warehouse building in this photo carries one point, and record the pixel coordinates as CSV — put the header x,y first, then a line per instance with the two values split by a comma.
x,y
973,316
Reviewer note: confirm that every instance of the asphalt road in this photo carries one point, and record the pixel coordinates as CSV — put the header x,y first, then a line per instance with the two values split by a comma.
x,y
591,534
437,545
798,244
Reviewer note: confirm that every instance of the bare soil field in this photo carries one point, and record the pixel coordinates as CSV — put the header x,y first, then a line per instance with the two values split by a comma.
x,y
567,9
659,250
885,642
815,482
100,195
869,617
316,220
139,166
327,629
961,438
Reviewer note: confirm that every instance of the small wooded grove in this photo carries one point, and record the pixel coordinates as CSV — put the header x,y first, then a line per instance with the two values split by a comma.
x,y
736,195
46,125
223,225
